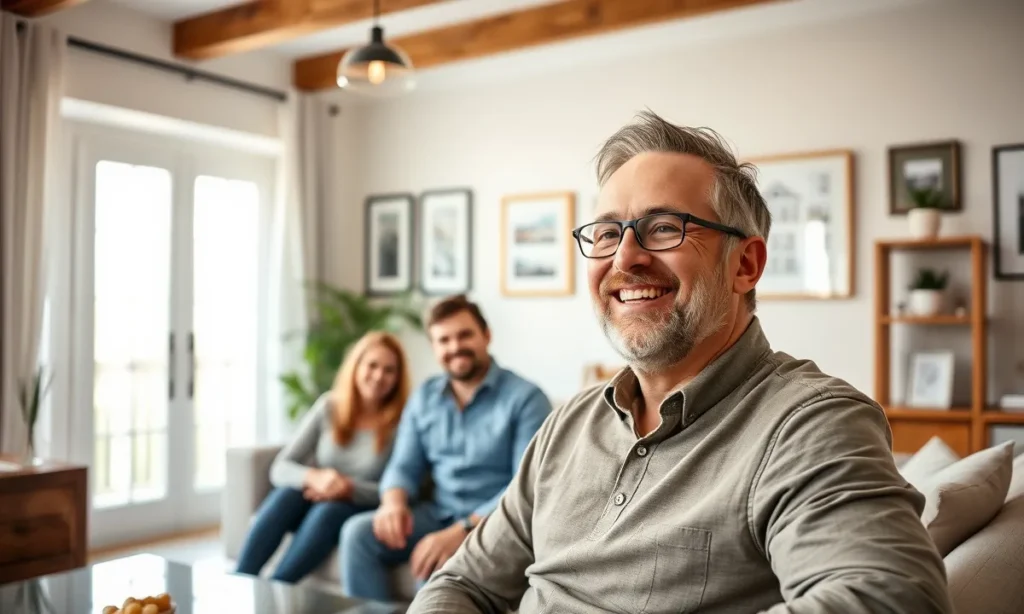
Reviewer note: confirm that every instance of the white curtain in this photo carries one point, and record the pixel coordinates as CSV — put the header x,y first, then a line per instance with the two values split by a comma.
x,y
295,246
32,59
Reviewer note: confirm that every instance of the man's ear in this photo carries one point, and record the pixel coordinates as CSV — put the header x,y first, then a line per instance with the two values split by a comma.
x,y
753,255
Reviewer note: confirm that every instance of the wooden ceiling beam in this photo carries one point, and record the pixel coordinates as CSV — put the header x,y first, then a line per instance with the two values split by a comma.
x,y
541,25
36,8
262,23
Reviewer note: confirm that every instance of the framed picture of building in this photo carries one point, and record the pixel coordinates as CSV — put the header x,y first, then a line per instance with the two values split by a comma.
x,y
537,244
924,167
811,243
446,248
387,251
1008,211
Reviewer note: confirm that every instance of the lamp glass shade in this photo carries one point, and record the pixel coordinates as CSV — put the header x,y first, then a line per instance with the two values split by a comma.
x,y
376,69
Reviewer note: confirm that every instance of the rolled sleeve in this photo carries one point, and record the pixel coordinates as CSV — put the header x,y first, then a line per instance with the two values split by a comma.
x,y
838,524
408,461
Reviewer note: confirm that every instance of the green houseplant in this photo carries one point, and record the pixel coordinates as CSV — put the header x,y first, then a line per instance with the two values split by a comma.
x,y
30,397
927,291
341,317
925,216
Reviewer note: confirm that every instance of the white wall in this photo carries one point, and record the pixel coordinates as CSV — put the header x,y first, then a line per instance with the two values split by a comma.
x,y
931,70
112,81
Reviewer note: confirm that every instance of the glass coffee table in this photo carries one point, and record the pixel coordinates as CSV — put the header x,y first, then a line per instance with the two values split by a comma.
x,y
198,590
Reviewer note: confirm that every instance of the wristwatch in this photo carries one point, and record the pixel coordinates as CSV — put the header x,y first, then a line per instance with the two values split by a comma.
x,y
467,524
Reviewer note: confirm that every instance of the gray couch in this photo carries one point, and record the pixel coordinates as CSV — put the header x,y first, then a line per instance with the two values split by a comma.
x,y
985,572
248,483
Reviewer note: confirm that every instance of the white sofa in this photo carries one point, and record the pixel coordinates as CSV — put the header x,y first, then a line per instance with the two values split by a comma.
x,y
985,570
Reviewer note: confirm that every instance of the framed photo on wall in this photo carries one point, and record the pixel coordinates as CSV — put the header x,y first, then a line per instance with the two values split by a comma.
x,y
811,244
924,166
1008,213
388,244
537,244
931,380
446,247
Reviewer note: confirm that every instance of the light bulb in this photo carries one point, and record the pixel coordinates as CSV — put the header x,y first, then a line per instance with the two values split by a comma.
x,y
375,72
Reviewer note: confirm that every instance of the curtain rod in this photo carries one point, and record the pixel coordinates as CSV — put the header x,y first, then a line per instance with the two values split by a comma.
x,y
186,71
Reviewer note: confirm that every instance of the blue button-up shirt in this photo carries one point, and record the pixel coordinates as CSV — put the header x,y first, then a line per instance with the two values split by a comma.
x,y
472,453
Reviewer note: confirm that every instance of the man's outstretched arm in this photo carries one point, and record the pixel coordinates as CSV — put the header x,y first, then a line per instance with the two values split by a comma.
x,y
488,572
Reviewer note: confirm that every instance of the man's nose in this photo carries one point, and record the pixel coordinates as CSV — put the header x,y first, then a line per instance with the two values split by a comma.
x,y
631,253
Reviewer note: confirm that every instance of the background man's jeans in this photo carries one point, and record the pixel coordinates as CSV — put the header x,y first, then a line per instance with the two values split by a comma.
x,y
313,525
365,561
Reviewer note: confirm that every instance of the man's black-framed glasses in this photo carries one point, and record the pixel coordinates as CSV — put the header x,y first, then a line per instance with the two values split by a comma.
x,y
655,232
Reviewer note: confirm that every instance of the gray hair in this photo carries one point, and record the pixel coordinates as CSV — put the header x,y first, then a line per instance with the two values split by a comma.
x,y
734,196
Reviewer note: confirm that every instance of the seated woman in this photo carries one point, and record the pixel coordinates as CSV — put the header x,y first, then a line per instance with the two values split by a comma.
x,y
329,471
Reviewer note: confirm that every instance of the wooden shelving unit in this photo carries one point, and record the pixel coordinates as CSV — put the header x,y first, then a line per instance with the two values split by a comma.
x,y
965,429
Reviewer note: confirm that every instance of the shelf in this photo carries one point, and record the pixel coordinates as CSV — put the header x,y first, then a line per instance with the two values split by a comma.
x,y
931,320
937,243
956,414
994,416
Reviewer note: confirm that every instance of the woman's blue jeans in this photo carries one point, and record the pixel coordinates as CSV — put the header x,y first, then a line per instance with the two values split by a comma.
x,y
315,528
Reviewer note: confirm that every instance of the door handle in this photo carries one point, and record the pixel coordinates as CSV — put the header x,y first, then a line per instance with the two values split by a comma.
x,y
192,364
170,366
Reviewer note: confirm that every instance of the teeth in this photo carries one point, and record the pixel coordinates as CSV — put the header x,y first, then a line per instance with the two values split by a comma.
x,y
642,294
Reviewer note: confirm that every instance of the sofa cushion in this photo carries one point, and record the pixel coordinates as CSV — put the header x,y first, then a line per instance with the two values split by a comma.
x,y
933,457
986,571
964,496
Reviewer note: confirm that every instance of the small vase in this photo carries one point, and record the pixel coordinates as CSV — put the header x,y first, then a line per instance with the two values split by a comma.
x,y
926,302
924,223
29,458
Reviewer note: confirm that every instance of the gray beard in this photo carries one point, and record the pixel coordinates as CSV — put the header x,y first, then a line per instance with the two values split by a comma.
x,y
651,344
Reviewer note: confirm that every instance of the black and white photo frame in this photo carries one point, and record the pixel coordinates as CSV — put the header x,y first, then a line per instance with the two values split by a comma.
x,y
446,241
931,166
1008,211
388,244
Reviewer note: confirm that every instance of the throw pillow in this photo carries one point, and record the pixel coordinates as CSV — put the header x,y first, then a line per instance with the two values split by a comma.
x,y
926,462
964,496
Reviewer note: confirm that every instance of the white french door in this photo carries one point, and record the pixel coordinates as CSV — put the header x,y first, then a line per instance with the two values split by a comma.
x,y
171,272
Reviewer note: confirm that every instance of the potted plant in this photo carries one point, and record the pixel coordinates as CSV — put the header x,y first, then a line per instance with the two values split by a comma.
x,y
341,318
30,397
927,292
924,217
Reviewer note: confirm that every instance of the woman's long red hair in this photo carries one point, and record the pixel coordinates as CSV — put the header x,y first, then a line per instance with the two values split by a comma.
x,y
346,402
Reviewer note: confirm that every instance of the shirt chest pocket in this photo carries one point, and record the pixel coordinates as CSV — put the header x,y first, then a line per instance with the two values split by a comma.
x,y
675,583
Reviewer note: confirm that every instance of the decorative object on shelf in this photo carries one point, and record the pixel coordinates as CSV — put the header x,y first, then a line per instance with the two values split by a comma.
x,y
446,246
377,68
927,292
1012,402
901,308
341,318
924,167
931,380
1008,211
388,244
537,244
811,246
925,218
30,398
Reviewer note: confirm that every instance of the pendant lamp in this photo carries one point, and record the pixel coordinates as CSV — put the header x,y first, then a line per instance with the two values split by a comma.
x,y
376,69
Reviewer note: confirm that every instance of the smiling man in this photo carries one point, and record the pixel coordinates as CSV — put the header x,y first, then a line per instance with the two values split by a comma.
x,y
712,474
467,430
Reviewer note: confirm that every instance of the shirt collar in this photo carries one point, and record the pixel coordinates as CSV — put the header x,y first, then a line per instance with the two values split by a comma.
x,y
716,381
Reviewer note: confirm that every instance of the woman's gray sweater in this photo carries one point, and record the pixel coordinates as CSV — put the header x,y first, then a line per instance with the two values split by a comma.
x,y
313,446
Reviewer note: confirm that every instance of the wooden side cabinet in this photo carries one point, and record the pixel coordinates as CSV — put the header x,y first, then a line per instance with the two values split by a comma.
x,y
42,520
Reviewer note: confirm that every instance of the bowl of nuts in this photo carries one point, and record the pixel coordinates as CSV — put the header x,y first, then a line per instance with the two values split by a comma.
x,y
158,604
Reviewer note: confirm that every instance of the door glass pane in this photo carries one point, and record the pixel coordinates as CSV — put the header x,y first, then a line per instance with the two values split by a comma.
x,y
132,316
225,294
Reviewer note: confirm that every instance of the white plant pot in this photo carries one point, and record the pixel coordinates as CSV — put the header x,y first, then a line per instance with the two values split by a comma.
x,y
924,223
926,302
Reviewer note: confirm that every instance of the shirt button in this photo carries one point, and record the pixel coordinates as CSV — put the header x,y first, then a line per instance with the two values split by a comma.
x,y
641,451
620,499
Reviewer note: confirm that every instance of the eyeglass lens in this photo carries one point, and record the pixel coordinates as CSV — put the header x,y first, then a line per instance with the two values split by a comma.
x,y
655,232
